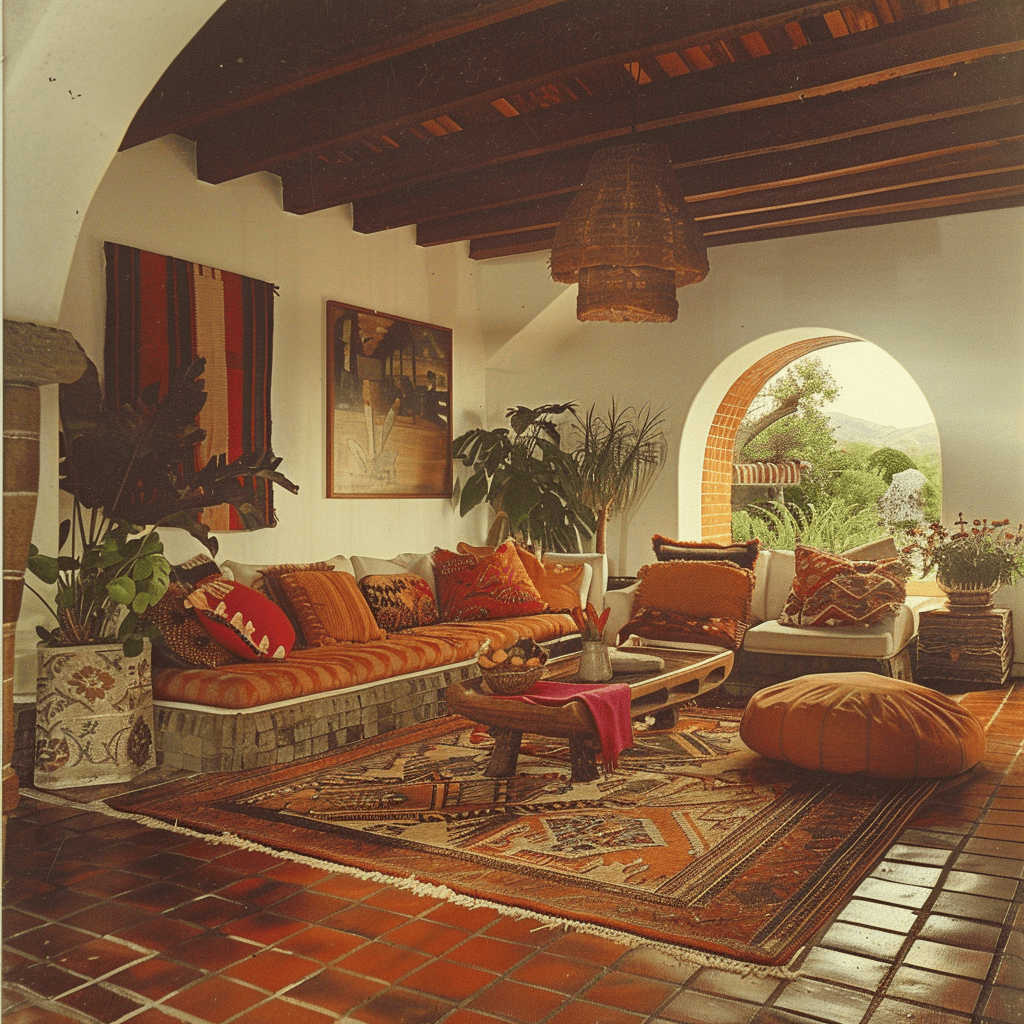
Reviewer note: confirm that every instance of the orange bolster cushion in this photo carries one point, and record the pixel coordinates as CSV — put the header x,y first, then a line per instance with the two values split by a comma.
x,y
863,723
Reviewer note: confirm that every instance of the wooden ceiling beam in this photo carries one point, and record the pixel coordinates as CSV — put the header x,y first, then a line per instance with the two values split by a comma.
x,y
538,241
933,95
866,59
515,55
492,189
245,57
993,160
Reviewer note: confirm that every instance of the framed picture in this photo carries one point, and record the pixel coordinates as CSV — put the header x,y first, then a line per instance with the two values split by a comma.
x,y
389,424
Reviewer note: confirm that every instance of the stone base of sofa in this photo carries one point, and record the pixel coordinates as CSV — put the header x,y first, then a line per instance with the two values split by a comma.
x,y
201,739
754,670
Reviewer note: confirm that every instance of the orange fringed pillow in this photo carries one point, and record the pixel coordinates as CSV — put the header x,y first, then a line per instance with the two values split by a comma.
x,y
472,587
830,590
696,602
698,590
330,608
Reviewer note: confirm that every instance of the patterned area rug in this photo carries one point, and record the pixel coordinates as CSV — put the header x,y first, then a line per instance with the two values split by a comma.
x,y
694,840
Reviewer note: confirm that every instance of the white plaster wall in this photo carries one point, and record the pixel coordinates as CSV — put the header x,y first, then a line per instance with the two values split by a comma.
x,y
945,297
150,198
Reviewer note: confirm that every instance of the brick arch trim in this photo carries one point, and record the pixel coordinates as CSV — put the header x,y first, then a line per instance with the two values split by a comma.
x,y
716,475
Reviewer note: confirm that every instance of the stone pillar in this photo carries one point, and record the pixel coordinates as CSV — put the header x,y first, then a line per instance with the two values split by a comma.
x,y
33,356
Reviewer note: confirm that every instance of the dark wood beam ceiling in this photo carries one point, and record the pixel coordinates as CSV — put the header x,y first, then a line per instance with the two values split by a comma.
x,y
475,120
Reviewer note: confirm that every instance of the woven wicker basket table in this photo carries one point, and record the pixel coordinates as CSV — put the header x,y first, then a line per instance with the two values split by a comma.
x,y
689,671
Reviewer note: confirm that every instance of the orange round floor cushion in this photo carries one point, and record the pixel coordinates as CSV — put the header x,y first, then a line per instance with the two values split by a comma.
x,y
863,723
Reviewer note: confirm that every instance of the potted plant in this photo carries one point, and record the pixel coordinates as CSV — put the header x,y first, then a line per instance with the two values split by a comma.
x,y
127,472
618,456
524,474
972,563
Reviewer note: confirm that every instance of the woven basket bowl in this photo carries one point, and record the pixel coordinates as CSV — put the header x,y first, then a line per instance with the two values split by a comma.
x,y
508,682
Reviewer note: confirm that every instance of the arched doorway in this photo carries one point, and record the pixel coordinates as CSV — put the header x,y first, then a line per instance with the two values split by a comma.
x,y
717,411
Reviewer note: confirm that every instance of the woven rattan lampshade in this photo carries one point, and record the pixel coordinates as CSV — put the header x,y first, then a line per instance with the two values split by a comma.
x,y
628,238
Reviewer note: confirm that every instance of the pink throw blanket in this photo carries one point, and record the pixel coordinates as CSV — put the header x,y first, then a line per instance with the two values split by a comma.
x,y
607,702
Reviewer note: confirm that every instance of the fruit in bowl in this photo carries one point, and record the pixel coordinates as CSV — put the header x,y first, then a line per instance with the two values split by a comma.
x,y
511,670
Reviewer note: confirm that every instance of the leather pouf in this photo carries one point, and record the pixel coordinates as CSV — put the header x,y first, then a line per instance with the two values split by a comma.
x,y
863,723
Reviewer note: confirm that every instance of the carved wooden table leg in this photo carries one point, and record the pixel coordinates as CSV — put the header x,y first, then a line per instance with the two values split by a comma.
x,y
582,760
506,752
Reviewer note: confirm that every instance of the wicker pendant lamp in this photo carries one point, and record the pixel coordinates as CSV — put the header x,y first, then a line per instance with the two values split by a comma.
x,y
628,238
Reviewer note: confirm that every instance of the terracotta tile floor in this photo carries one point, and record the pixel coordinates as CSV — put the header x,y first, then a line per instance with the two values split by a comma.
x,y
106,920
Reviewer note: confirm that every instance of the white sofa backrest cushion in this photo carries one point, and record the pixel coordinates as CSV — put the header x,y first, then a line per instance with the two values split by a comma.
x,y
595,582
246,573
779,582
762,567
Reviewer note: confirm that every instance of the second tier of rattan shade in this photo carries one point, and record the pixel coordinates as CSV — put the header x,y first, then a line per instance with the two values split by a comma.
x,y
628,238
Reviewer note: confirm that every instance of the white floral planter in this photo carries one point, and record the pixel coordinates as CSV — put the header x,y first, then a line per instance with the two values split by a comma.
x,y
94,716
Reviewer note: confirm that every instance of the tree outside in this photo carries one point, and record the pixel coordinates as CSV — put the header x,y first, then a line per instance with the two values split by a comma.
x,y
835,505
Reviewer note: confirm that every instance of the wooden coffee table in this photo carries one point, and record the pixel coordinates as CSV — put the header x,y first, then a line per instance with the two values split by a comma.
x,y
690,670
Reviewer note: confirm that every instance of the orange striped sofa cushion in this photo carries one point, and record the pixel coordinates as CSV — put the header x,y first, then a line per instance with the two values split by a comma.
x,y
319,670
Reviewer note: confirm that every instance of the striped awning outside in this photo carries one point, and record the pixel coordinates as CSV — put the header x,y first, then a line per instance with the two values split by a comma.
x,y
768,472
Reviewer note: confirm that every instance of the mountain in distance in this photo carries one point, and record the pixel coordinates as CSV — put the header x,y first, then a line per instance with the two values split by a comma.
x,y
914,441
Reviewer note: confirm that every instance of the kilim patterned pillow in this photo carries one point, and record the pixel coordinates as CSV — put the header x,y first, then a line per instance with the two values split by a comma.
x,y
474,587
831,591
659,624
400,602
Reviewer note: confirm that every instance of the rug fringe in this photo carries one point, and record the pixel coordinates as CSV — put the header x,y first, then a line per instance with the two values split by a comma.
x,y
680,954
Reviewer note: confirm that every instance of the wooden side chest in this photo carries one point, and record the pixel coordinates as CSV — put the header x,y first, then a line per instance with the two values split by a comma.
x,y
958,650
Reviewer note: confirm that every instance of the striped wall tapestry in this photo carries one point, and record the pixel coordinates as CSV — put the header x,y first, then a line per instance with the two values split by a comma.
x,y
163,313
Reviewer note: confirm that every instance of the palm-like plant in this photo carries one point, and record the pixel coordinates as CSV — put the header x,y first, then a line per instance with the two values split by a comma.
x,y
619,456
525,474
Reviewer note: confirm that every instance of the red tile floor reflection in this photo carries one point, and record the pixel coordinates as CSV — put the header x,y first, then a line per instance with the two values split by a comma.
x,y
106,920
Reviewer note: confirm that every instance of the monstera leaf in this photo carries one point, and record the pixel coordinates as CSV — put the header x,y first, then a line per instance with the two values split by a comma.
x,y
137,463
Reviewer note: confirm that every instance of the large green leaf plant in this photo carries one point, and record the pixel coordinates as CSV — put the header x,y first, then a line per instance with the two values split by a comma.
x,y
524,473
128,471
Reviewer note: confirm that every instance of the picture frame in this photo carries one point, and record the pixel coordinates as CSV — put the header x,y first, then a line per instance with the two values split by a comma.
x,y
389,423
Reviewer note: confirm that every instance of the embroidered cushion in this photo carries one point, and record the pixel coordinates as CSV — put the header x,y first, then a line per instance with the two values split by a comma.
x,y
185,642
241,620
329,608
830,590
491,586
560,586
863,723
743,553
400,601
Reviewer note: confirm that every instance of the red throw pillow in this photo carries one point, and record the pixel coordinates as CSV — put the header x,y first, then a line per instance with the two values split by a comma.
x,y
242,621
558,585
829,590
495,586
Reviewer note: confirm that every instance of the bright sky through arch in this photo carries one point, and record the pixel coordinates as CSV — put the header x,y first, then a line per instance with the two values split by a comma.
x,y
873,386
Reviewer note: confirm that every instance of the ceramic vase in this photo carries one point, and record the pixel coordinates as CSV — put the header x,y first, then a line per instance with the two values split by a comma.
x,y
595,663
94,716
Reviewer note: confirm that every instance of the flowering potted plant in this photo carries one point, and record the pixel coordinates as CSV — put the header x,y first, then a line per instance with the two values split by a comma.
x,y
973,562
